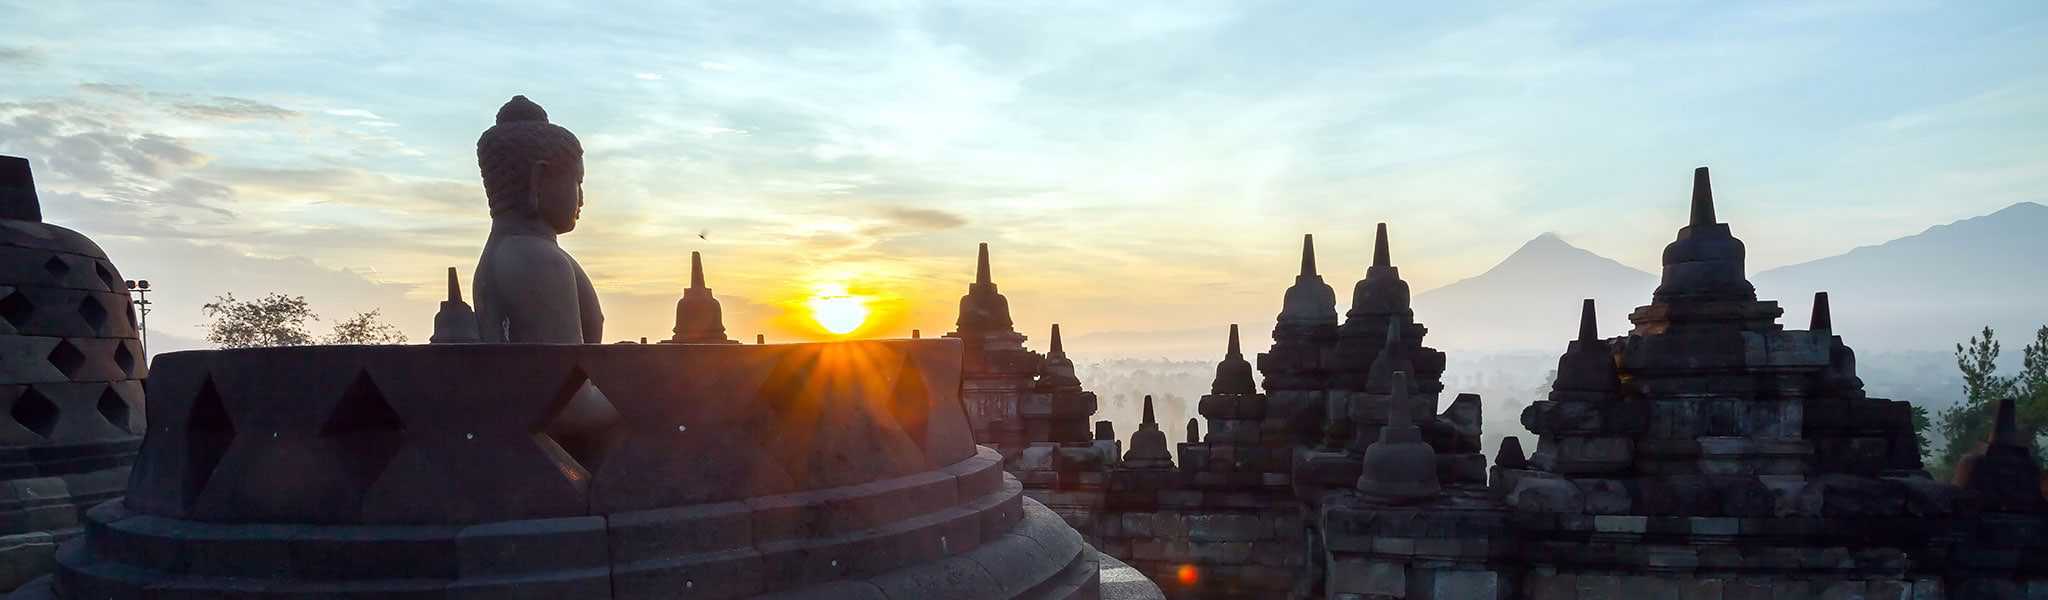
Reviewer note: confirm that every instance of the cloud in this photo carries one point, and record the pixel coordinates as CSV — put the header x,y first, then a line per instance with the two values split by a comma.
x,y
90,148
356,113
921,219
647,76
358,187
20,55
227,108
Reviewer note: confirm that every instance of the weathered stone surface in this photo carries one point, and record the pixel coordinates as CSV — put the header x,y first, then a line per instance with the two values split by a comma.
x,y
71,367
898,521
1534,494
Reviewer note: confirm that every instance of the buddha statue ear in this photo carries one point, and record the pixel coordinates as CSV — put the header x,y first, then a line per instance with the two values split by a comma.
x,y
534,178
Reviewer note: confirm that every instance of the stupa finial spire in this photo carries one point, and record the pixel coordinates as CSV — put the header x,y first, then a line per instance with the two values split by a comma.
x,y
1149,419
1380,256
1308,255
456,322
1398,408
18,190
2005,430
1702,198
1589,329
1056,347
1234,350
1823,319
981,266
696,271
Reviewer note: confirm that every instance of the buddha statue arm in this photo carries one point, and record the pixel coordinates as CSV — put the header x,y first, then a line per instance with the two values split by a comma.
x,y
592,316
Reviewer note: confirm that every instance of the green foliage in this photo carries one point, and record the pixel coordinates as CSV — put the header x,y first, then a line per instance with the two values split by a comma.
x,y
1967,424
280,320
2030,386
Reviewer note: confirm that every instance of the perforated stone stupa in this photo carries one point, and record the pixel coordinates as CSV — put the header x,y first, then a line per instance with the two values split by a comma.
x,y
71,370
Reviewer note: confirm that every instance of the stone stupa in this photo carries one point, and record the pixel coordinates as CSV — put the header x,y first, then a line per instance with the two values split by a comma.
x,y
699,319
71,371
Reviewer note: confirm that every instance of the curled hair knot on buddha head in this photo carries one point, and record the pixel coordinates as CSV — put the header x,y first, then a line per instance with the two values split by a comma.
x,y
507,152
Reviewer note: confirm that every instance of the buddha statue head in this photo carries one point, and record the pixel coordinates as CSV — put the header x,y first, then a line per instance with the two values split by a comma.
x,y
532,169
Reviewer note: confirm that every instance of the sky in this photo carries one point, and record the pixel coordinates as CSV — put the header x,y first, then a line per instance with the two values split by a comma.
x,y
1136,167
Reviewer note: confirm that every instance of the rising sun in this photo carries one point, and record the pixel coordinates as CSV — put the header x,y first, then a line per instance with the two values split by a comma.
x,y
838,312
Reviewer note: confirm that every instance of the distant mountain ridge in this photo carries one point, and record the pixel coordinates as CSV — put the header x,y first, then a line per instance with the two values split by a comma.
x,y
1932,289
1531,299
1921,292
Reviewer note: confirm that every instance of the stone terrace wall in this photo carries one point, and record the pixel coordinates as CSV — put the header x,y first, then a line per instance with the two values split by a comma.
x,y
451,471
1196,541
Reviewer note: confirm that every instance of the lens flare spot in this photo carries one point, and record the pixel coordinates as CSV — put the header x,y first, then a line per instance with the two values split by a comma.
x,y
1188,575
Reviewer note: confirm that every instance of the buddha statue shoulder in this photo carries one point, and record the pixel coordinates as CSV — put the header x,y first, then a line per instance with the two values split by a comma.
x,y
528,290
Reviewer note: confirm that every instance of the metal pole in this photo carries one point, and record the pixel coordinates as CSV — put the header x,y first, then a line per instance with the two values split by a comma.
x,y
141,291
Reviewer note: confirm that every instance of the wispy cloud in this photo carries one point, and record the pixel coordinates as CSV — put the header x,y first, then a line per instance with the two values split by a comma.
x,y
20,55
233,109
921,218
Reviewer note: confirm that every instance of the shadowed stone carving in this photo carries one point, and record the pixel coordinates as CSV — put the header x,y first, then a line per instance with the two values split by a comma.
x,y
527,288
430,471
1399,468
456,322
1148,444
70,379
1233,374
2003,470
699,320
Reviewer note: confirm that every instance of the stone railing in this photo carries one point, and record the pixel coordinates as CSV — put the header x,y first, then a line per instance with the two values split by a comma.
x,y
585,471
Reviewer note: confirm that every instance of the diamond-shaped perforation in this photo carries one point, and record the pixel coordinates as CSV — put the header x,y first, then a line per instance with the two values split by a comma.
x,y
209,432
124,359
67,358
95,315
368,428
362,408
57,267
114,408
35,411
114,284
16,309
587,425
209,414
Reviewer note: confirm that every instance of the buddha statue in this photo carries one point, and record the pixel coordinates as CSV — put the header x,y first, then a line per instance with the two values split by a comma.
x,y
528,290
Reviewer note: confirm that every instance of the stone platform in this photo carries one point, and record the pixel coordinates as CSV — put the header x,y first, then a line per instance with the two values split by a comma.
x,y
840,470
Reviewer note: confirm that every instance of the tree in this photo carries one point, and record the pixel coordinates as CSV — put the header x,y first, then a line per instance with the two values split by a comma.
x,y
1966,424
280,320
273,320
2030,386
365,328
